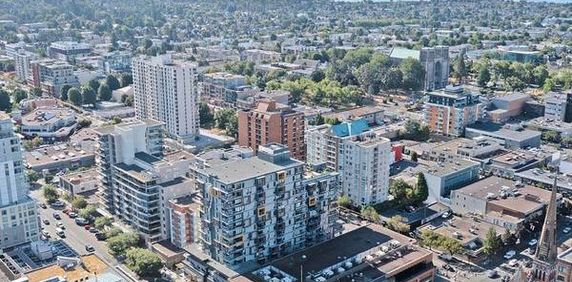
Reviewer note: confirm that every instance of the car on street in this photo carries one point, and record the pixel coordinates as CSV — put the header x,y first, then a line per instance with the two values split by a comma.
x,y
46,222
58,204
513,263
60,225
492,274
100,236
46,234
57,216
567,230
72,215
81,221
87,227
89,248
60,232
93,230
532,242
43,206
510,254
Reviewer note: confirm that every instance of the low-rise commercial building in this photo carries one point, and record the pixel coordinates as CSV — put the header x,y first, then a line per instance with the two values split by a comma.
x,y
511,136
49,123
80,182
447,176
259,56
502,202
69,50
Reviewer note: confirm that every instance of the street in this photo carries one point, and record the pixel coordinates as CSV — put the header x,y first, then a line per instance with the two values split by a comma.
x,y
76,236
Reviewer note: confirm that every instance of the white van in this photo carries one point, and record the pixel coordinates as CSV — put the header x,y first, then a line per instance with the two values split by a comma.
x,y
60,232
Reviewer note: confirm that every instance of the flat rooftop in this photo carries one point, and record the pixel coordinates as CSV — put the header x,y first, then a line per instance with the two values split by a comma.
x,y
239,170
464,229
499,131
47,115
450,167
56,153
330,252
81,176
109,129
91,265
354,113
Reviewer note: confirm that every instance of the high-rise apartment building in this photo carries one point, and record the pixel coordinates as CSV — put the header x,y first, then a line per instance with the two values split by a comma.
x,y
269,123
359,154
260,208
166,90
450,110
137,179
19,215
22,61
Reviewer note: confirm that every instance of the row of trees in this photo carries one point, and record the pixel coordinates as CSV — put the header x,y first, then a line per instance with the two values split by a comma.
x,y
95,90
142,261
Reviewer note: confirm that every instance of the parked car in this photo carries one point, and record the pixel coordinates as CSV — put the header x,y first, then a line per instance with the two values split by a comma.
x,y
89,248
46,222
510,254
87,227
448,267
567,230
46,234
57,216
531,251
100,236
60,225
492,273
81,221
43,206
513,263
58,204
93,230
532,242
447,214
72,215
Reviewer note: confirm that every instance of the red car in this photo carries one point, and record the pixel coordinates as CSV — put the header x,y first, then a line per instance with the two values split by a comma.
x,y
87,227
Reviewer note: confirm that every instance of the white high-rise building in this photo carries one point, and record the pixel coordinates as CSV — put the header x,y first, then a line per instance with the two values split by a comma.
x,y
358,153
166,90
22,61
18,212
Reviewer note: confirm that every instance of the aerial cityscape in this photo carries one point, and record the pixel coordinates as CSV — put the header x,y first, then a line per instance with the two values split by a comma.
x,y
285,141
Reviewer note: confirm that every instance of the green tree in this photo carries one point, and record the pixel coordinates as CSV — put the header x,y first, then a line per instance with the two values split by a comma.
x,y
344,201
414,156
551,136
413,74
103,221
317,75
227,120
19,95
397,224
74,96
116,120
459,67
400,191
206,117
540,75
413,130
88,211
369,213
451,245
112,82
5,104
126,80
492,242
421,189
93,84
32,176
50,193
103,92
144,262
78,202
88,96
484,76
112,232
120,243
64,92
548,85
430,239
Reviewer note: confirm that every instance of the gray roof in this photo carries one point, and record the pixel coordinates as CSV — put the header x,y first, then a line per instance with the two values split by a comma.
x,y
402,53
240,170
498,131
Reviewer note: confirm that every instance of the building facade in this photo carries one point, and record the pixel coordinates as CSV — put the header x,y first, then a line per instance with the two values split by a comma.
x,y
166,90
359,154
435,61
221,89
19,221
261,208
22,61
449,111
69,50
51,76
270,124
184,213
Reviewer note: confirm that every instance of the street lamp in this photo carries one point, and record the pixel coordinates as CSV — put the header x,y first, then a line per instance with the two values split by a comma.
x,y
302,267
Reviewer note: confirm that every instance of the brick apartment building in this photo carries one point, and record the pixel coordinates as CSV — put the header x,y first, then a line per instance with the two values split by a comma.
x,y
269,123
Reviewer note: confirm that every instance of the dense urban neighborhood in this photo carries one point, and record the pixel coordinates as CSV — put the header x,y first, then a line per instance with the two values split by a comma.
x,y
285,141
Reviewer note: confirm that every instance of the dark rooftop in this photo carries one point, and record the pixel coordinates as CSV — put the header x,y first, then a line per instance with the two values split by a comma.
x,y
146,157
330,252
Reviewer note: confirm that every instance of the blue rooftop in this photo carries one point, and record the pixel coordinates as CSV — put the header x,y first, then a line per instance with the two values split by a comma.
x,y
350,128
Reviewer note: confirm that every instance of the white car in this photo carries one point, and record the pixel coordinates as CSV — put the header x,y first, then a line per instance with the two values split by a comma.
x,y
513,262
532,242
60,225
509,254
567,230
